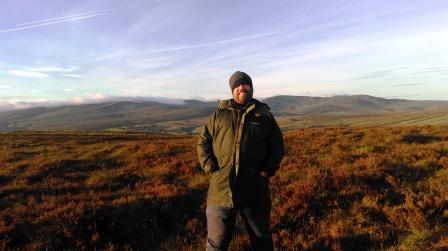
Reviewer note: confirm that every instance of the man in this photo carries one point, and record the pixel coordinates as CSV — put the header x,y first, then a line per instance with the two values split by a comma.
x,y
241,146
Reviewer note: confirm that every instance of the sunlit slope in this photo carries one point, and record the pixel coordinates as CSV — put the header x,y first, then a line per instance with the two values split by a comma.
x,y
438,117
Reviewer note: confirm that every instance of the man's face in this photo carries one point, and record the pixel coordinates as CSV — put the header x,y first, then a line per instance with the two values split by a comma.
x,y
242,93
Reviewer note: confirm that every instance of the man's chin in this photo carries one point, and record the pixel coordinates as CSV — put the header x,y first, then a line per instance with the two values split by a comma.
x,y
245,99
242,98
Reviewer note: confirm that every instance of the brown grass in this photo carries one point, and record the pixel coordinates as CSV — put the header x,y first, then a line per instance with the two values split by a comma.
x,y
338,189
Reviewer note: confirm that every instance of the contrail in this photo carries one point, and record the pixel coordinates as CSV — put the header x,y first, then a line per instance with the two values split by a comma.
x,y
218,42
63,19
104,11
50,23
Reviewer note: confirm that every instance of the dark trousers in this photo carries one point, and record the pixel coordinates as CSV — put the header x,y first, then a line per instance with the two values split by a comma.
x,y
221,222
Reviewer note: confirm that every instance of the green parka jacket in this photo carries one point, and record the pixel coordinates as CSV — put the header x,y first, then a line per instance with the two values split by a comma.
x,y
234,146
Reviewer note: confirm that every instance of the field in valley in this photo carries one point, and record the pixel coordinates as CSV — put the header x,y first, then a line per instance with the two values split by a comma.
x,y
371,188
295,122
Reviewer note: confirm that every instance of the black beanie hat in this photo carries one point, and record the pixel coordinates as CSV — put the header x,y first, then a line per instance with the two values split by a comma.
x,y
239,78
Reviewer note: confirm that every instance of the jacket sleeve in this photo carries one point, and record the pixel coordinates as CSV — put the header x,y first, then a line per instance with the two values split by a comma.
x,y
207,159
276,149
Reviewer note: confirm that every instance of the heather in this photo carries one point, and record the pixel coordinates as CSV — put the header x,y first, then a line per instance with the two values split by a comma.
x,y
373,188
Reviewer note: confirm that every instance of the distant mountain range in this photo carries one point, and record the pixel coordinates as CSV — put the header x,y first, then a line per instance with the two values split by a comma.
x,y
160,117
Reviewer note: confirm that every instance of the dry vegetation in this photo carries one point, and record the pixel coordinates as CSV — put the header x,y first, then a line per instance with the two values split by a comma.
x,y
337,189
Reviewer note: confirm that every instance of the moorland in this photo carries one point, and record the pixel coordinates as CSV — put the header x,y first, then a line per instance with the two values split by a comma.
x,y
365,188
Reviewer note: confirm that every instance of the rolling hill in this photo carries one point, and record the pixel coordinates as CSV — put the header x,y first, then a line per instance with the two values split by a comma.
x,y
348,105
292,112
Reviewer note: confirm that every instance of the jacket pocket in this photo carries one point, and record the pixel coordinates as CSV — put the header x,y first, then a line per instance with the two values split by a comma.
x,y
219,189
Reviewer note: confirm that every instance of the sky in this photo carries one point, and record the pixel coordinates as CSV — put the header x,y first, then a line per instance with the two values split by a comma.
x,y
54,52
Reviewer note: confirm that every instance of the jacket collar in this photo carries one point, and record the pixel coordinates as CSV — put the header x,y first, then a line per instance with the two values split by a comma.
x,y
228,104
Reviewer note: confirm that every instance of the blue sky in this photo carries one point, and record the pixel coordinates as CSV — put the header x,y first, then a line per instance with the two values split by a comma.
x,y
56,51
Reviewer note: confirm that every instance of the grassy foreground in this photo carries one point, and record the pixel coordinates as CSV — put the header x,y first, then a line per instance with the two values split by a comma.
x,y
380,188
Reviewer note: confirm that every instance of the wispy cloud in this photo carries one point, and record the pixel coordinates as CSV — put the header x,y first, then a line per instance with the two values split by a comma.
x,y
224,41
172,48
57,20
53,69
71,75
30,74
44,72
404,72
401,85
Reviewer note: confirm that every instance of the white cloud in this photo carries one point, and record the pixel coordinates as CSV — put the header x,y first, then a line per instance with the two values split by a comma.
x,y
19,103
71,75
29,74
43,72
5,106
89,98
53,69
15,103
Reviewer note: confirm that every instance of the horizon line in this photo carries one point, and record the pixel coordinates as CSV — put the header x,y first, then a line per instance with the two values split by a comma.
x,y
54,103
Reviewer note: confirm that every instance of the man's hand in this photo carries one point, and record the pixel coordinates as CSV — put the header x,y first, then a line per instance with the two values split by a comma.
x,y
264,174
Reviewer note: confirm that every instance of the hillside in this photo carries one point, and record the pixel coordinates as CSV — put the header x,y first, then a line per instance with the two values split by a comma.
x,y
99,116
337,189
348,105
185,118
